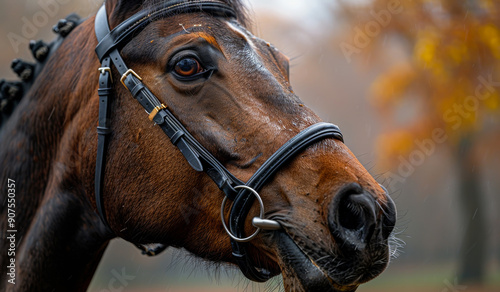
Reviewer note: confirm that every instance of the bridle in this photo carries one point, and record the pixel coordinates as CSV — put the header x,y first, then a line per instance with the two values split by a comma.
x,y
242,194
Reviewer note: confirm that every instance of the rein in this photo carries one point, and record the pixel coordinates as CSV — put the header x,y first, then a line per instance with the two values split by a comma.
x,y
242,194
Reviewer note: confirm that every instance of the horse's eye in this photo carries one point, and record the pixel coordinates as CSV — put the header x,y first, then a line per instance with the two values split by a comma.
x,y
188,67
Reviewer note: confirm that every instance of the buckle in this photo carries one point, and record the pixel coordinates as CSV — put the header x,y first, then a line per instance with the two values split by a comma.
x,y
129,71
104,70
155,111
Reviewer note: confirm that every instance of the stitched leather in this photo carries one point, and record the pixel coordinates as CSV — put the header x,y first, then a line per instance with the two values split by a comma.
x,y
103,131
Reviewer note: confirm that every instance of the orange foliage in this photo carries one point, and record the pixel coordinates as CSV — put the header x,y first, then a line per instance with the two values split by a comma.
x,y
453,66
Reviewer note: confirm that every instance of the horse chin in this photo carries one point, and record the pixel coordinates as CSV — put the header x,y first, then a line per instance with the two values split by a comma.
x,y
301,273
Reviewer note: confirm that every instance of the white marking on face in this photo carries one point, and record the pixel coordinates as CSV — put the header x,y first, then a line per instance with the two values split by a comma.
x,y
241,33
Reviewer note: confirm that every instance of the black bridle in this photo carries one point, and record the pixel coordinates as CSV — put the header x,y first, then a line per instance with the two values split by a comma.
x,y
242,194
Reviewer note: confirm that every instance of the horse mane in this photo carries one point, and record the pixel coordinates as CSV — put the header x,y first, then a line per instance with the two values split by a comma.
x,y
11,92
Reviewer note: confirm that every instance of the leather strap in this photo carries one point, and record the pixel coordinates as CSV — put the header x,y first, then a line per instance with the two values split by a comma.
x,y
105,92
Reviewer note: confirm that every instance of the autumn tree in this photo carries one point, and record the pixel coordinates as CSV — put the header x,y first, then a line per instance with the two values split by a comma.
x,y
451,79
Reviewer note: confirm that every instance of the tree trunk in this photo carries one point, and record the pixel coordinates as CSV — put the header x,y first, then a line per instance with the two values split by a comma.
x,y
474,243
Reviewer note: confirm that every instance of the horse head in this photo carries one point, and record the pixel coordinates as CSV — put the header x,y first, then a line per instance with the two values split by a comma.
x,y
328,220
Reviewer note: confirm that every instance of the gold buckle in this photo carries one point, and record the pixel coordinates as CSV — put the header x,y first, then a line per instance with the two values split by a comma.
x,y
155,111
129,71
104,70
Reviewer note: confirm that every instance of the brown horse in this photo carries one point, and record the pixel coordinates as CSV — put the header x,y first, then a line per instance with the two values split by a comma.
x,y
328,221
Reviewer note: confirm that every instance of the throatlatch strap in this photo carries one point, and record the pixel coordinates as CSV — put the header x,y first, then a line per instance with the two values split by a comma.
x,y
105,91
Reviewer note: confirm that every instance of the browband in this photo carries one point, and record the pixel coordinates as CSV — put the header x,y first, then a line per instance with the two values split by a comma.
x,y
122,33
197,156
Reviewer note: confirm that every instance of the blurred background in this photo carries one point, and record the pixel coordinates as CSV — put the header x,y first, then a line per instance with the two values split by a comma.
x,y
414,86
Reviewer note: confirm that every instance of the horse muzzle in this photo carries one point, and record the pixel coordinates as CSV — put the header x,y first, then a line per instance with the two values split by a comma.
x,y
355,251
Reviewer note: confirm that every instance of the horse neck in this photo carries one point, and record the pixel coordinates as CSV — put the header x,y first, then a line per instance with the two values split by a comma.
x,y
55,248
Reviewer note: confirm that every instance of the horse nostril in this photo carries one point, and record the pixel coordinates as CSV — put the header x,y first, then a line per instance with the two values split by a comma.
x,y
353,217
352,211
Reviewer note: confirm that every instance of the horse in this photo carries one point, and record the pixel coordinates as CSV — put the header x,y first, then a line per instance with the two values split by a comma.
x,y
227,162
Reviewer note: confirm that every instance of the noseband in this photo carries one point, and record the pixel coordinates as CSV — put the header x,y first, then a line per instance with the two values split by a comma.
x,y
242,194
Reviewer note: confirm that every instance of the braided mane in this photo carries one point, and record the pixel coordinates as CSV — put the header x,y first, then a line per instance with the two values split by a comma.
x,y
11,92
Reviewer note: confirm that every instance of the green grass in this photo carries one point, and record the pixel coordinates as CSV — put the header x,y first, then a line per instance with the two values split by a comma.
x,y
426,278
